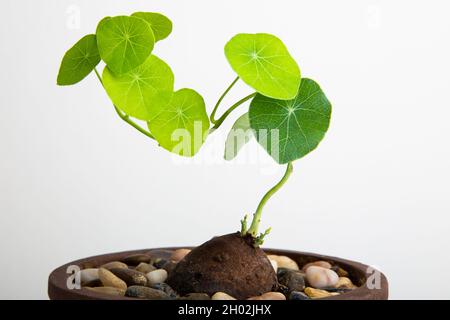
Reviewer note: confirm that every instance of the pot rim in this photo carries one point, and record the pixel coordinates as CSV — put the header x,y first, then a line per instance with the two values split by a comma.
x,y
57,281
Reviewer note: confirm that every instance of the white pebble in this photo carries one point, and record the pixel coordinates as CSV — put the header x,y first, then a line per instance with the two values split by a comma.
x,y
319,277
321,263
222,296
87,275
156,276
284,262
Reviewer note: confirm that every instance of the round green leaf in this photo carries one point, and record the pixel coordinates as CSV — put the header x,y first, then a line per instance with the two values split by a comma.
x,y
141,92
124,42
181,126
290,129
239,135
79,61
160,24
262,61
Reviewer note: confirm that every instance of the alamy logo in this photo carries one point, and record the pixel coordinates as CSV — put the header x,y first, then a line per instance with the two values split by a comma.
x,y
373,279
73,21
74,278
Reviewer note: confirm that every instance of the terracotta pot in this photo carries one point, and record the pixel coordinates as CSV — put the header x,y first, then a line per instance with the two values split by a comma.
x,y
358,273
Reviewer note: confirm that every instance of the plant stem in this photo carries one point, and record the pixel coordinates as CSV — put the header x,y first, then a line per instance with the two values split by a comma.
x,y
211,117
124,116
244,225
253,230
219,121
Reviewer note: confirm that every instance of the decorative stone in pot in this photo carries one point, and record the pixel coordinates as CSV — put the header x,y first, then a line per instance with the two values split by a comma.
x,y
362,282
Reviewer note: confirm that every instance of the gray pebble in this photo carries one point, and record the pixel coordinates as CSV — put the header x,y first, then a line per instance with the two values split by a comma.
x,y
165,288
281,271
135,259
146,293
159,263
293,280
296,295
160,254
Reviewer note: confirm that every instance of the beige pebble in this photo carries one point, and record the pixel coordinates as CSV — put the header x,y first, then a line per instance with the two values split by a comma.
x,y
222,296
179,254
317,293
156,276
319,277
284,262
274,264
145,267
322,264
108,290
344,282
114,265
88,275
110,280
269,296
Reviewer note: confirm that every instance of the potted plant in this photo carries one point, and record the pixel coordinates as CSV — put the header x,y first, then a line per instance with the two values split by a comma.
x,y
288,115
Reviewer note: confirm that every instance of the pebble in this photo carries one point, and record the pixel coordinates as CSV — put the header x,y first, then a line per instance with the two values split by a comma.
x,y
93,283
317,293
159,263
179,254
284,262
296,295
345,283
88,275
319,277
340,290
282,271
156,276
146,293
195,296
160,254
88,265
135,259
283,289
323,264
108,290
269,296
165,288
274,264
222,296
110,280
293,280
145,267
131,277
114,265
341,272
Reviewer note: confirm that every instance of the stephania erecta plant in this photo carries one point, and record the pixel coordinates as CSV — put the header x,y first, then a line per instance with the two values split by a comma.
x,y
287,114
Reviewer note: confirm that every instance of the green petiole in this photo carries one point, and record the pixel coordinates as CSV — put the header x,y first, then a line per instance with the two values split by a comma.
x,y
253,230
124,116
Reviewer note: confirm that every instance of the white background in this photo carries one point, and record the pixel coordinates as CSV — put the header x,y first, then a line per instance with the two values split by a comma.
x,y
75,181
